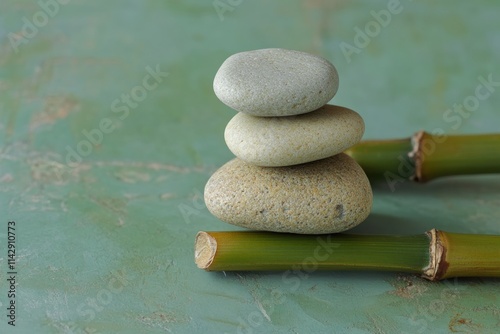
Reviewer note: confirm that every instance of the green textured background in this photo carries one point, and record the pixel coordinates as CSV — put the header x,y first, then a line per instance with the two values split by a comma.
x,y
134,205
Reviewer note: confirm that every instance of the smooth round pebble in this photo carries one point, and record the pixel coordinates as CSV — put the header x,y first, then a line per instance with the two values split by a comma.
x,y
326,196
275,82
286,141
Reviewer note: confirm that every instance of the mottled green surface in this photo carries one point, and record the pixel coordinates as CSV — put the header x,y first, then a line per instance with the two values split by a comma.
x,y
134,204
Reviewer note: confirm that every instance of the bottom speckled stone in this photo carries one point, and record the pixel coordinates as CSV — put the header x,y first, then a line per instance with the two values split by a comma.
x,y
325,196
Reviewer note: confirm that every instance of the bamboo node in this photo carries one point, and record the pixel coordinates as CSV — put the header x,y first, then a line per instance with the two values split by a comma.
x,y
417,155
437,253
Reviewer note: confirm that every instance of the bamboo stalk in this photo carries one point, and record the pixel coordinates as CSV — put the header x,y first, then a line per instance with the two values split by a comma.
x,y
425,157
463,255
377,157
435,255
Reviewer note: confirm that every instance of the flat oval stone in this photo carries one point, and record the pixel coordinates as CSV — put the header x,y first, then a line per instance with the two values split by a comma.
x,y
325,196
275,82
285,141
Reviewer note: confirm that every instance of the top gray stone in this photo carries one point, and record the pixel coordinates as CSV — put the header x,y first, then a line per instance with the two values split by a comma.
x,y
275,82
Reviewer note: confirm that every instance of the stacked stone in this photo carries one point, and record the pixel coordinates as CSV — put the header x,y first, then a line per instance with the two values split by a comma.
x,y
290,174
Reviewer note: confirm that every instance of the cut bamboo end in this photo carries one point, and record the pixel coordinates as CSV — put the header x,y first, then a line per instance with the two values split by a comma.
x,y
268,251
204,250
435,255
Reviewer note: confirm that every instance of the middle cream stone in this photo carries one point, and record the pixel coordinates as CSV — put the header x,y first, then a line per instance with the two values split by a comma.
x,y
292,140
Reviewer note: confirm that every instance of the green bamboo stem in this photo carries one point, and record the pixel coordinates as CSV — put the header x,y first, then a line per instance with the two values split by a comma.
x,y
425,157
435,255
464,255
377,157
437,156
